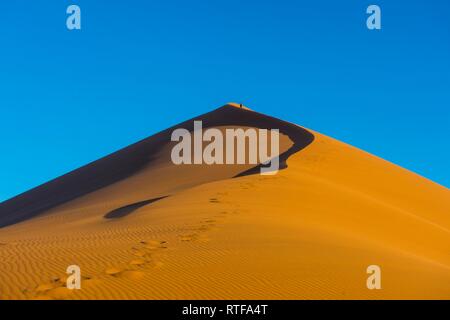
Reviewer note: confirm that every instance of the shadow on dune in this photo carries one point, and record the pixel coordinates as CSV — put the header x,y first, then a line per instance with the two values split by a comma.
x,y
130,160
300,138
126,210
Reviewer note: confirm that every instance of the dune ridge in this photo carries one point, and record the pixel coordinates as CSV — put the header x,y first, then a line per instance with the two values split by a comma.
x,y
142,228
130,160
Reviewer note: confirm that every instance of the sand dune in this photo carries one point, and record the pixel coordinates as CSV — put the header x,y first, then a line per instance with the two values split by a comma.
x,y
142,228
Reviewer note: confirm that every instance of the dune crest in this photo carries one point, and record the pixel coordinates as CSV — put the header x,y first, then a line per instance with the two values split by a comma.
x,y
141,227
145,158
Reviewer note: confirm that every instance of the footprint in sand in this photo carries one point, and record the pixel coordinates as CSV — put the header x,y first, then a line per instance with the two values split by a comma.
x,y
211,222
208,224
163,245
127,274
55,289
132,275
203,228
44,287
145,253
194,237
202,238
137,262
153,245
139,253
113,271
188,237
88,282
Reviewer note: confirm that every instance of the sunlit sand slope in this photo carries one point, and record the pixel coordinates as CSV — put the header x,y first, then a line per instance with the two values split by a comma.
x,y
142,228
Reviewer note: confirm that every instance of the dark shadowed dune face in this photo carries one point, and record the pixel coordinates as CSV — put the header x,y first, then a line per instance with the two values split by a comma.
x,y
126,210
130,160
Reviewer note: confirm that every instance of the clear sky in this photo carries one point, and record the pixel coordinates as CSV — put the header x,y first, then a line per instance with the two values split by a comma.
x,y
137,67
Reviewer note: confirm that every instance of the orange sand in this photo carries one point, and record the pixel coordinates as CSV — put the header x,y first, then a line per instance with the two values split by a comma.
x,y
308,232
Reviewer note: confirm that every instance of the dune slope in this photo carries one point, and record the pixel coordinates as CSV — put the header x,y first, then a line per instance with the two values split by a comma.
x,y
142,228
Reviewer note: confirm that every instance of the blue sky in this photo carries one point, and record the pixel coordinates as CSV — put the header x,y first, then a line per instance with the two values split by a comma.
x,y
136,67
